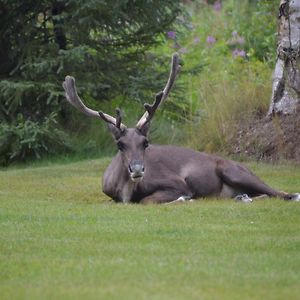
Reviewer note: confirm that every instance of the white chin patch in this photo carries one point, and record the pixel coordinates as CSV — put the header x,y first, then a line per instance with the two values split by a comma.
x,y
137,179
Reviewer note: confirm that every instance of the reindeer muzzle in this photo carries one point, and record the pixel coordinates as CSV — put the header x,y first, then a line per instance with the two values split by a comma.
x,y
136,170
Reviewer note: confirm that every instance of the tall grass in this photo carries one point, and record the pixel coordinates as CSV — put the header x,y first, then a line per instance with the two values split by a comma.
x,y
222,104
230,89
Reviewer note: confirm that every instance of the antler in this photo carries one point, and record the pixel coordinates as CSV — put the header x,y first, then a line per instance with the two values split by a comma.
x,y
73,99
160,97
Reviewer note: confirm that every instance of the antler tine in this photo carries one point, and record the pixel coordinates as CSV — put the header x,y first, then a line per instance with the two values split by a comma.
x,y
118,118
152,108
73,98
175,67
115,121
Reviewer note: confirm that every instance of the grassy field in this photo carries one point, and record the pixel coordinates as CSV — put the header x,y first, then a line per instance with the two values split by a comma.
x,y
61,238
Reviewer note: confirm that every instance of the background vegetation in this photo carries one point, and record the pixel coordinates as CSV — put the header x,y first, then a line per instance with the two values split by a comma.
x,y
102,43
235,56
120,54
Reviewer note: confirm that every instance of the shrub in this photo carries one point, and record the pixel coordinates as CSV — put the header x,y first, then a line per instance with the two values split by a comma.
x,y
31,139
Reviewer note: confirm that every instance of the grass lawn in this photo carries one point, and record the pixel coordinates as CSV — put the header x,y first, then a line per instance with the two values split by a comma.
x,y
60,238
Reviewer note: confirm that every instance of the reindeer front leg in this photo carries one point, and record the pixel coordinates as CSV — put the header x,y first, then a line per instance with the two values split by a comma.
x,y
165,197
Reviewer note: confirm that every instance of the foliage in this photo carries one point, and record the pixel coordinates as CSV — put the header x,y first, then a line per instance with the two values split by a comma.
x,y
61,239
28,138
233,46
257,27
102,43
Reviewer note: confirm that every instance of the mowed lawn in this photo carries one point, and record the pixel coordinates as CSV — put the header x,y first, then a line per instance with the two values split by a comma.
x,y
61,238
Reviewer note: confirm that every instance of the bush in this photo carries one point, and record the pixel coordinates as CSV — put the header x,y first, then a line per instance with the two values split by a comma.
x,y
31,139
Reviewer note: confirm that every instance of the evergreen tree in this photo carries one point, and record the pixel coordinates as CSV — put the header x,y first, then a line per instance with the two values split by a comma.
x,y
102,42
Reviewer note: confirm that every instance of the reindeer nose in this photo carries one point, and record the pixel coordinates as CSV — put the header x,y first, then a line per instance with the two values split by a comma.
x,y
136,167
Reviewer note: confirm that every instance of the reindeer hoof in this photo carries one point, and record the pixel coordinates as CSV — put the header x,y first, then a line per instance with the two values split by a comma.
x,y
184,198
180,199
293,197
243,198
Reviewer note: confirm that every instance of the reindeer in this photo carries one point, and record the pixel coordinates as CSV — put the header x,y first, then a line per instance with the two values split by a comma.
x,y
146,173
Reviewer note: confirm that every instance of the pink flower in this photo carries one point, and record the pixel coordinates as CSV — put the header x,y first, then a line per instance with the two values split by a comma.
x,y
171,35
217,6
210,40
196,40
238,53
236,38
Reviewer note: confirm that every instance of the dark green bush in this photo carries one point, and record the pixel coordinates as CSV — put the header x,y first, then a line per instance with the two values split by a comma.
x,y
31,139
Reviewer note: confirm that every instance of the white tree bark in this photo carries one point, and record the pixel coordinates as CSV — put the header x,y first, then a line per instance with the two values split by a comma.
x,y
286,78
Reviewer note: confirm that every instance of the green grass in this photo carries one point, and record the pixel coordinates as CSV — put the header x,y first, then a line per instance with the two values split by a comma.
x,y
62,239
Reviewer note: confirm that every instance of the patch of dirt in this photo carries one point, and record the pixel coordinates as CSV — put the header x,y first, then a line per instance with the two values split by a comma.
x,y
262,139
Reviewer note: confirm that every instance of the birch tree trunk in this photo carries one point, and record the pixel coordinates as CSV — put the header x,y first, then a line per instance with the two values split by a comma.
x,y
286,78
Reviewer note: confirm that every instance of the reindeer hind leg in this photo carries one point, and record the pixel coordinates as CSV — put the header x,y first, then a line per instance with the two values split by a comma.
x,y
243,180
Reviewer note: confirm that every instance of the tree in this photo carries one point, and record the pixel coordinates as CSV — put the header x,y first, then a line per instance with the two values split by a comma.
x,y
100,42
286,79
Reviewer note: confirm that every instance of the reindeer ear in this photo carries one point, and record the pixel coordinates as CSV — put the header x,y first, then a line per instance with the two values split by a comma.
x,y
115,132
144,130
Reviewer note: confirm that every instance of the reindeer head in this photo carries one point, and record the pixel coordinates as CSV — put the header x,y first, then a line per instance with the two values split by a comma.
x,y
131,142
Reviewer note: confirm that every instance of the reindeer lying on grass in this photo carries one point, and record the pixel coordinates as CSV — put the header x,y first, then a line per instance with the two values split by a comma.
x,y
147,173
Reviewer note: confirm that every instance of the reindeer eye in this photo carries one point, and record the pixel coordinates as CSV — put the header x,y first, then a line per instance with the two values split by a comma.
x,y
121,146
146,144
